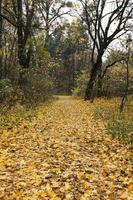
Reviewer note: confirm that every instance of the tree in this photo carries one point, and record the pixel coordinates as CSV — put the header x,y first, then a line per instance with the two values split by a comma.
x,y
1,33
125,95
68,48
21,15
74,50
72,47
104,26
52,11
115,57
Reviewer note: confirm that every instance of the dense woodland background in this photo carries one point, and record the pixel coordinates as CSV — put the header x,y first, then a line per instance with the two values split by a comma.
x,y
51,47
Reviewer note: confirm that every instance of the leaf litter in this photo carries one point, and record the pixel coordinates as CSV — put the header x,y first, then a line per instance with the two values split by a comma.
x,y
64,154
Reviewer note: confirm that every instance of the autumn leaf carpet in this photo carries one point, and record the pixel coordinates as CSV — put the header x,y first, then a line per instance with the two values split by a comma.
x,y
64,154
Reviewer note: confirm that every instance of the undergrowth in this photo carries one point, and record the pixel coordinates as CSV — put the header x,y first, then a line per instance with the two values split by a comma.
x,y
119,125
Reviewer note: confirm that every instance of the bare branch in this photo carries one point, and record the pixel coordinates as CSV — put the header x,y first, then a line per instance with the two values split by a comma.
x,y
110,65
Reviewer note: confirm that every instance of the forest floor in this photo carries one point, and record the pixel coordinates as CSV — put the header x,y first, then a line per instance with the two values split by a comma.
x,y
62,153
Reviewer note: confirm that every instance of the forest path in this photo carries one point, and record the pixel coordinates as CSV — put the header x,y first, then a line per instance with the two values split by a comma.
x,y
64,154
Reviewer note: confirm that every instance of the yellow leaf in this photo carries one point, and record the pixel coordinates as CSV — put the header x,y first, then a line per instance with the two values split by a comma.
x,y
80,175
130,187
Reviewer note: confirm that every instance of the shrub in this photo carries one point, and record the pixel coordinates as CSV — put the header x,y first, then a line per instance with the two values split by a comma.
x,y
81,84
119,125
9,93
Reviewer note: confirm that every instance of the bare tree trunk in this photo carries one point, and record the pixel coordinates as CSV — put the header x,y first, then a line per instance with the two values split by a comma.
x,y
1,33
47,24
94,73
23,33
20,35
100,84
125,96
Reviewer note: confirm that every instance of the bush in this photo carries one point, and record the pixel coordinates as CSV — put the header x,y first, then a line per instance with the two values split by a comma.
x,y
119,125
81,84
38,90
114,83
9,93
30,85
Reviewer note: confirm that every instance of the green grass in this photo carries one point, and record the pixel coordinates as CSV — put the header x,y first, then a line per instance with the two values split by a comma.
x,y
119,125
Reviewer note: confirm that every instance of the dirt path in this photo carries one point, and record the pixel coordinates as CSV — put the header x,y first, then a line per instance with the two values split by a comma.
x,y
64,154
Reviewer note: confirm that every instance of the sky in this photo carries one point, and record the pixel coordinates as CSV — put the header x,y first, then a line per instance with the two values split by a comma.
x,y
109,7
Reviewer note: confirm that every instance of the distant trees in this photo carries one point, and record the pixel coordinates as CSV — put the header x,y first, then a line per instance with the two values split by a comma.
x,y
104,25
51,12
70,46
74,52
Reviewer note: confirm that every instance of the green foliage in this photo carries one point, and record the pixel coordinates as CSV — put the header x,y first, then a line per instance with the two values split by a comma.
x,y
119,125
116,55
30,41
41,52
38,87
81,82
37,82
114,83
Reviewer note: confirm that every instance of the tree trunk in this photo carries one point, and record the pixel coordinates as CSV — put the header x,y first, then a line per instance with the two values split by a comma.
x,y
94,73
1,32
47,36
23,34
125,96
100,85
20,35
47,25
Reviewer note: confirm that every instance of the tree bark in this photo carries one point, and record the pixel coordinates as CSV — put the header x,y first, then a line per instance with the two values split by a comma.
x,y
1,32
125,96
23,32
96,67
100,85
